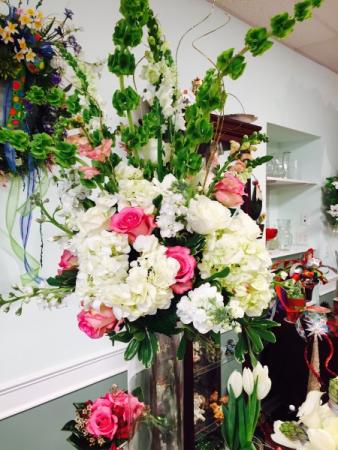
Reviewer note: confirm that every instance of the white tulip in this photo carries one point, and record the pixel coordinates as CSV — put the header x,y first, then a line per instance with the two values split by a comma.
x,y
248,381
236,383
320,440
261,374
308,412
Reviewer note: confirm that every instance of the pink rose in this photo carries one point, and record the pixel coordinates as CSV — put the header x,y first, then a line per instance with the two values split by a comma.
x,y
89,172
67,261
99,153
133,222
96,324
102,421
128,409
230,191
187,268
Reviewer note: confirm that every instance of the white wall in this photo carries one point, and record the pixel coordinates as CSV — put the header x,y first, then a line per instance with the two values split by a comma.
x,y
281,87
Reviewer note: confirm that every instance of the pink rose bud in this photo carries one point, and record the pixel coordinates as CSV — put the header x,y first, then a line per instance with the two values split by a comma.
x,y
186,271
68,261
96,323
230,191
89,172
99,153
133,222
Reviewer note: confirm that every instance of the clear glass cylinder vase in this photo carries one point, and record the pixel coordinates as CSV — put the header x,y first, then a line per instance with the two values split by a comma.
x,y
162,389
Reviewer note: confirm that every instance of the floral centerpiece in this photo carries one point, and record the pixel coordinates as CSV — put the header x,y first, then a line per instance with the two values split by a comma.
x,y
330,201
155,240
317,425
106,423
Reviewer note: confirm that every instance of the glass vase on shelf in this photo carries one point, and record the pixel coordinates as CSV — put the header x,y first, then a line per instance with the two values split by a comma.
x,y
278,168
285,238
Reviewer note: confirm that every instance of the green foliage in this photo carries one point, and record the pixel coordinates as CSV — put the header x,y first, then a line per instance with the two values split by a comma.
x,y
135,10
121,62
10,68
127,34
257,39
41,145
259,161
18,139
155,41
231,65
55,97
125,100
210,96
66,279
255,331
330,197
73,103
65,154
36,95
282,25
303,10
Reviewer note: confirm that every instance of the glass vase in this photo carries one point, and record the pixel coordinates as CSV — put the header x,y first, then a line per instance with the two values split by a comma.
x,y
161,387
285,238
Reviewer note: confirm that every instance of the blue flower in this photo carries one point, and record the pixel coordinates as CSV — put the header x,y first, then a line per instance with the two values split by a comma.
x,y
68,13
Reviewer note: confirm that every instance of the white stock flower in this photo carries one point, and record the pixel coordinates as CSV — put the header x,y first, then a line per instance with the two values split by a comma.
x,y
204,308
235,381
248,381
206,216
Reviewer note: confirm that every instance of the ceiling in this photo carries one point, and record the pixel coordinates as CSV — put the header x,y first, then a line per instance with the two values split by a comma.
x,y
316,38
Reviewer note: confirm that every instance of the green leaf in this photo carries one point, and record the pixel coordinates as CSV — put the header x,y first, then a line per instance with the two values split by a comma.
x,y
69,426
222,274
66,279
122,336
266,335
242,422
255,340
282,25
257,39
181,349
132,349
303,10
241,348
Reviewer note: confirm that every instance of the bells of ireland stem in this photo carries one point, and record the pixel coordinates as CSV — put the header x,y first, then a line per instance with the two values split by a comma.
x,y
236,383
248,381
261,374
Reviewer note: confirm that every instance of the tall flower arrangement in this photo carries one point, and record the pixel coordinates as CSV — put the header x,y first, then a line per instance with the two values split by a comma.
x,y
155,241
330,201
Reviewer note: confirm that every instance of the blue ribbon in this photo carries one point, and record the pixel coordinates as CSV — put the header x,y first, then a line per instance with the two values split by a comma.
x,y
9,151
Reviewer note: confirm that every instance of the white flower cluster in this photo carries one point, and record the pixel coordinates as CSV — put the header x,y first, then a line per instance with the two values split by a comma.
x,y
134,190
173,209
333,211
133,289
170,99
204,307
238,248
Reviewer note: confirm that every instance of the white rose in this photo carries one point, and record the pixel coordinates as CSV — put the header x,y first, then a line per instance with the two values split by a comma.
x,y
206,216
94,219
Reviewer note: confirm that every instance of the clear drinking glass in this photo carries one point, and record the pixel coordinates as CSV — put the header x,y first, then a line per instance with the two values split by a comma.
x,y
286,164
285,238
279,170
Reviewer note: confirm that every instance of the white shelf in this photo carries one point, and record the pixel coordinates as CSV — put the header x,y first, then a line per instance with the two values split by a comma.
x,y
295,250
275,181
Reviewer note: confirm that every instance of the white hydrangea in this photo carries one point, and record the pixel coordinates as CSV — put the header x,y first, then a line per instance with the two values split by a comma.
x,y
238,248
103,262
206,216
173,208
134,190
204,308
147,286
333,211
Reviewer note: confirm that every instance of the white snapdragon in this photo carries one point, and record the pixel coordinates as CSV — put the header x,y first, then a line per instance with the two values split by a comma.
x,y
206,216
333,211
173,208
204,308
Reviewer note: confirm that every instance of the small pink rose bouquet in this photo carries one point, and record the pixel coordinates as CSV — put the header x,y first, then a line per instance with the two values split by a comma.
x,y
107,423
